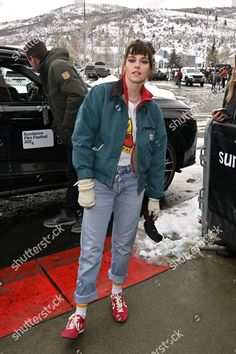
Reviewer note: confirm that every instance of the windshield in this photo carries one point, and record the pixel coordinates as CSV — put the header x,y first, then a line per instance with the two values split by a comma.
x,y
193,71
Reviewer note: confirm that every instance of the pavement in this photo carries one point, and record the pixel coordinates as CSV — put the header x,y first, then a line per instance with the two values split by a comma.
x,y
189,310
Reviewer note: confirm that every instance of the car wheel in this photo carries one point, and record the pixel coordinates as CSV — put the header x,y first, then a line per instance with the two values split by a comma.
x,y
170,165
186,82
202,84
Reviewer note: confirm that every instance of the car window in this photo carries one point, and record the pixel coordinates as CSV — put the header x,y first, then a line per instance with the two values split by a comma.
x,y
20,88
15,79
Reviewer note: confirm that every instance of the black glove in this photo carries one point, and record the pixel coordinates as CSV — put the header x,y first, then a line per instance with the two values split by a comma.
x,y
150,228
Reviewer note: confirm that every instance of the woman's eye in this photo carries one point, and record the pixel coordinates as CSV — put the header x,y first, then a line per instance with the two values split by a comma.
x,y
144,61
131,60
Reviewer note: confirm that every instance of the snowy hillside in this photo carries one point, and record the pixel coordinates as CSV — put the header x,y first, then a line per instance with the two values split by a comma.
x,y
108,28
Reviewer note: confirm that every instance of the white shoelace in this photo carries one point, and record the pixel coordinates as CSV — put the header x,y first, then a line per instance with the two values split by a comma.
x,y
118,301
73,323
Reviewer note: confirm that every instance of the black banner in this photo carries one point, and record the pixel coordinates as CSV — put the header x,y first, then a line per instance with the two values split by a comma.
x,y
222,182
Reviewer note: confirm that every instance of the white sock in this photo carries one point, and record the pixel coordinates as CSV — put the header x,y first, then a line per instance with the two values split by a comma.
x,y
116,288
81,309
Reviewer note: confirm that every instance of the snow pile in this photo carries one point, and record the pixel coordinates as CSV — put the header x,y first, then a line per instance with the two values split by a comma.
x,y
182,235
157,92
102,80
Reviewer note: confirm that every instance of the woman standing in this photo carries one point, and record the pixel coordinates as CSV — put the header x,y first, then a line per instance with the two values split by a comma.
x,y
119,148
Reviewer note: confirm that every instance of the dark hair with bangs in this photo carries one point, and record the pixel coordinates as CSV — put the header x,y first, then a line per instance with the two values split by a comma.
x,y
141,47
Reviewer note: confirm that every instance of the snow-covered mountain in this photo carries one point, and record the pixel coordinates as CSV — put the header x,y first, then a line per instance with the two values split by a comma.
x,y
108,29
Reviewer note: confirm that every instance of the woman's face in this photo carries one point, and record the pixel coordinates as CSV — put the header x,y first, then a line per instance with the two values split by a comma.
x,y
137,68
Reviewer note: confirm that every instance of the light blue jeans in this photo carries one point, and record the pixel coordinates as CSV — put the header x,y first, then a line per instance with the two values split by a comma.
x,y
124,201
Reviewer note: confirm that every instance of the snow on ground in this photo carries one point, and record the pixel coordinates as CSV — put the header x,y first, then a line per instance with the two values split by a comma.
x,y
182,235
179,224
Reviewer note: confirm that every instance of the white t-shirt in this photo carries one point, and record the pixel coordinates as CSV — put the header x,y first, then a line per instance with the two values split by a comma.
x,y
130,138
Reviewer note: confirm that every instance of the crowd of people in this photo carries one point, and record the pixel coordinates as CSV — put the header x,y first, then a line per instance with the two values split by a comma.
x,y
218,77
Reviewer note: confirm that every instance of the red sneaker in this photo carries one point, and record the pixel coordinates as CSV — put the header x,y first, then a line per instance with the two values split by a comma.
x,y
119,307
74,327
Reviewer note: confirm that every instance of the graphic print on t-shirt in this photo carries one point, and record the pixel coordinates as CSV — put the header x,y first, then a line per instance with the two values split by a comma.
x,y
129,142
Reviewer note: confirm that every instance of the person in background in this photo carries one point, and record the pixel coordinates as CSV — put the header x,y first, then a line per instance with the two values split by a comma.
x,y
66,91
224,76
119,149
213,81
179,76
229,103
218,80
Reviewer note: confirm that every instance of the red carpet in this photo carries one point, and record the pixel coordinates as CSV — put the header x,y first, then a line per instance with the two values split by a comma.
x,y
44,288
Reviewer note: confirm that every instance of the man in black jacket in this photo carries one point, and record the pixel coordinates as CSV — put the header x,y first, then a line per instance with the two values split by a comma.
x,y
66,91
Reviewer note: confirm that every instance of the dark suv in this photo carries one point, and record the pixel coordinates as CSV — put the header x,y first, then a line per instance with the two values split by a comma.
x,y
33,158
157,75
96,71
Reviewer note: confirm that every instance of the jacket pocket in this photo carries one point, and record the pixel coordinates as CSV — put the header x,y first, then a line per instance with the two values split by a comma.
x,y
149,137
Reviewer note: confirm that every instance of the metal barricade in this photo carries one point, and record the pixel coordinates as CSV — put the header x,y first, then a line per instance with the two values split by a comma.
x,y
217,198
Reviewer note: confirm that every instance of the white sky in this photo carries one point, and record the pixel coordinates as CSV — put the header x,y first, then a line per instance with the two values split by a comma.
x,y
18,9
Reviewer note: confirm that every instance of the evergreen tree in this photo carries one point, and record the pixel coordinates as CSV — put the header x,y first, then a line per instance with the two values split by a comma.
x,y
174,60
212,54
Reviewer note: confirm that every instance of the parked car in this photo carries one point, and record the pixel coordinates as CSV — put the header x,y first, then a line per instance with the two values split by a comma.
x,y
33,158
97,70
157,75
192,76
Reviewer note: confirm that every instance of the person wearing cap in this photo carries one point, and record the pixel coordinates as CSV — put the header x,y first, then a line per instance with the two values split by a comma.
x,y
119,149
65,91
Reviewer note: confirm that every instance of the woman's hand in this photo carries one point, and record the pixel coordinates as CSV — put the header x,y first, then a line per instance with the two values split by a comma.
x,y
219,115
86,193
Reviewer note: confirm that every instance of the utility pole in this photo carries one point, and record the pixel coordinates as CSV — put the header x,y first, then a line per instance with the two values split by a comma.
x,y
206,39
84,34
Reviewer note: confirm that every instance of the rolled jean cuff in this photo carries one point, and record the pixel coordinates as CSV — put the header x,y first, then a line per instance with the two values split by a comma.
x,y
86,298
118,279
